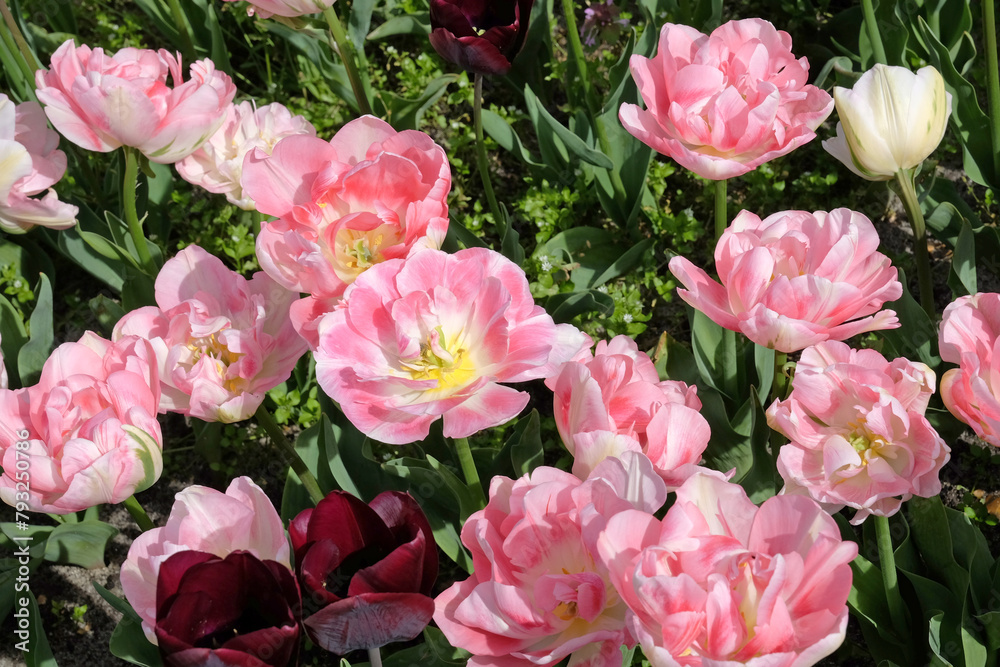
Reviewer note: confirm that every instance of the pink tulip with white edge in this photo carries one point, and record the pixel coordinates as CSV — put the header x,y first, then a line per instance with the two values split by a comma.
x,y
221,341
30,164
102,102
433,337
795,279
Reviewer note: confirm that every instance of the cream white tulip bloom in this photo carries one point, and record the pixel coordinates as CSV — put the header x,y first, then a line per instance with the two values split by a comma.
x,y
890,121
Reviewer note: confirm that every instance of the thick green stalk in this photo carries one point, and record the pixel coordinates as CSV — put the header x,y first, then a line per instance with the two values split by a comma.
x,y
908,194
346,49
721,216
481,158
468,465
131,214
580,64
887,562
871,26
141,518
266,420
374,657
27,62
187,44
992,79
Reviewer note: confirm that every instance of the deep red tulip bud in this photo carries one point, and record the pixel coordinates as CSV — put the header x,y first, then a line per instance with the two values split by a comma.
x,y
367,570
480,36
236,611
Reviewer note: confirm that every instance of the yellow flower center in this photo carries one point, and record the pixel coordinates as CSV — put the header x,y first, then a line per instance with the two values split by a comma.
x,y
450,365
221,355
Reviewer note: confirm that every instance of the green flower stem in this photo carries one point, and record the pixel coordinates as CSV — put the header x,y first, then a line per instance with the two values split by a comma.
x,y
187,44
779,383
266,420
992,79
131,214
721,217
347,54
141,518
28,63
908,193
481,159
580,64
871,25
374,657
469,469
887,562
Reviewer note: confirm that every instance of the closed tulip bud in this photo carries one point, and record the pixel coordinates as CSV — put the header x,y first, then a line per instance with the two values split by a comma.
x,y
890,121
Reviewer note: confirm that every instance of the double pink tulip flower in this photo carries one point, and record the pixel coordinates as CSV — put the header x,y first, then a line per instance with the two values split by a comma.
x,y
368,195
102,102
720,581
433,336
612,401
31,164
970,332
795,279
221,341
87,433
858,433
725,103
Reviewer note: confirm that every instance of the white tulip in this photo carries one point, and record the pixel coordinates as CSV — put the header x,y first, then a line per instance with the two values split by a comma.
x,y
890,121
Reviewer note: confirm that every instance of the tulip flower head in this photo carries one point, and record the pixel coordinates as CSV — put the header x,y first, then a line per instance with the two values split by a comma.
x,y
368,195
359,562
857,431
969,334
538,591
31,164
722,582
218,165
890,121
795,279
480,36
723,104
237,610
102,102
431,337
87,430
222,341
613,401
206,521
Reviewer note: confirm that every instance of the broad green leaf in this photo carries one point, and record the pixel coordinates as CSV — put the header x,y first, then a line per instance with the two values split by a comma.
x,y
81,544
12,338
35,352
408,24
38,653
128,641
312,446
548,127
567,305
916,338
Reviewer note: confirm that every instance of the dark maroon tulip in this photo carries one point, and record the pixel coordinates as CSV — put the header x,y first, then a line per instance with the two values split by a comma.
x,y
366,570
480,36
236,611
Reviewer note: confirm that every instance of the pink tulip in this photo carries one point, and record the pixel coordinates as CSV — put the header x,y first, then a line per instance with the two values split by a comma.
x,y
858,433
218,165
795,279
221,341
725,103
613,401
368,195
267,8
969,336
721,582
538,593
32,164
206,520
432,336
102,102
87,433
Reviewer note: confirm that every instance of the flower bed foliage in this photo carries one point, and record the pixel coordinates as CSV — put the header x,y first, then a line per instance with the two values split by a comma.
x,y
400,279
